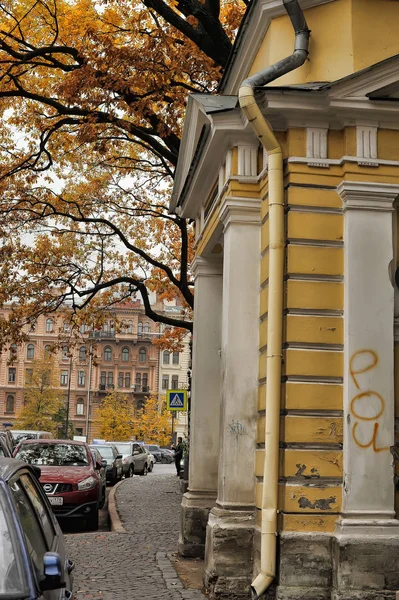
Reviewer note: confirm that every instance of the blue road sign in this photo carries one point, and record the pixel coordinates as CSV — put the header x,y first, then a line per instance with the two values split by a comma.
x,y
176,399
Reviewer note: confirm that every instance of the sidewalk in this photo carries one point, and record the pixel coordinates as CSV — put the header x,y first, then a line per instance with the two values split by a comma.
x,y
134,565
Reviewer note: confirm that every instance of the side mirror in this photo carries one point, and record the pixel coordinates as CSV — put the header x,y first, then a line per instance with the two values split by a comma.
x,y
119,456
97,465
53,575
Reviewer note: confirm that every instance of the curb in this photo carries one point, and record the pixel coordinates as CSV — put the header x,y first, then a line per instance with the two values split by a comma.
x,y
116,523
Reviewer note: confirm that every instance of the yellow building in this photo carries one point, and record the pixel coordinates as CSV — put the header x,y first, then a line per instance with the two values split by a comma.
x,y
291,173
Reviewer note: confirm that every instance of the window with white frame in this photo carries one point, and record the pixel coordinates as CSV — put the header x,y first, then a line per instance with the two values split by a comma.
x,y
82,353
30,351
12,375
107,353
175,382
125,354
10,403
81,378
49,325
142,355
165,382
80,406
176,358
64,378
166,357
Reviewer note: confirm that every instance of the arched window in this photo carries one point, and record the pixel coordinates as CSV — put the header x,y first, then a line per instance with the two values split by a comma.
x,y
47,351
108,353
125,354
130,326
64,352
49,325
140,328
166,357
142,355
147,328
10,403
105,327
30,351
13,351
82,353
80,406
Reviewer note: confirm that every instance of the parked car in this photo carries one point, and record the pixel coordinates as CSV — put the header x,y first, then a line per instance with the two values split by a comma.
x,y
8,440
69,477
168,455
30,434
134,458
150,459
34,563
155,451
110,453
4,448
98,459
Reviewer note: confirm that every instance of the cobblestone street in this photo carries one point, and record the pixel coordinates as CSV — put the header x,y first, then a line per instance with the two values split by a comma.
x,y
134,565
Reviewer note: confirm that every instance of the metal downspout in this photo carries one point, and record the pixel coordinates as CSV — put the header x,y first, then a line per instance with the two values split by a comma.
x,y
276,274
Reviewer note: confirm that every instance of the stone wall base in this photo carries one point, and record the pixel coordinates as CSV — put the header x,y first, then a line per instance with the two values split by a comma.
x,y
228,553
194,514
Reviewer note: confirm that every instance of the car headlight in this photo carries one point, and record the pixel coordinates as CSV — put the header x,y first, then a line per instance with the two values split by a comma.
x,y
87,484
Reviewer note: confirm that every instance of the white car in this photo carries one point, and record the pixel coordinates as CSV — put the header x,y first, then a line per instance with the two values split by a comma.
x,y
150,460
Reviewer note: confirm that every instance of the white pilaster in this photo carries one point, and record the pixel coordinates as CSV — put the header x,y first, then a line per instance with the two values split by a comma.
x,y
240,334
247,160
368,491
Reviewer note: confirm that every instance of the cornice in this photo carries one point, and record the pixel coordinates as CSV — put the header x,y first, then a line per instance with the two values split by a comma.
x,y
243,211
206,267
367,195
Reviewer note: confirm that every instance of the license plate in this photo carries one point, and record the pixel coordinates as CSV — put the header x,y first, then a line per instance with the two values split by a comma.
x,y
56,500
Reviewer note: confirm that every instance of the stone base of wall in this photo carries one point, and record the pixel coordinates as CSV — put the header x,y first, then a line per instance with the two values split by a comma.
x,y
228,553
195,509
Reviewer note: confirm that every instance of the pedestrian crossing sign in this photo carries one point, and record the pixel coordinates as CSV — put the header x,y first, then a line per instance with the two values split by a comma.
x,y
176,399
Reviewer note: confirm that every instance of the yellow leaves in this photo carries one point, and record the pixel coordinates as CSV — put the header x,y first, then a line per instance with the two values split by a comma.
x,y
153,423
115,416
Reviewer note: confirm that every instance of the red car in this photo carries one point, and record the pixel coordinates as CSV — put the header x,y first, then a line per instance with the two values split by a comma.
x,y
69,477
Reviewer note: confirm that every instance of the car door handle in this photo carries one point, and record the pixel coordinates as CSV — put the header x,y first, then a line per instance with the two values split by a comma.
x,y
70,566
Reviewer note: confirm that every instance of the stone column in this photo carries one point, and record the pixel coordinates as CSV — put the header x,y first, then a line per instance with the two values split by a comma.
x,y
205,407
367,527
231,522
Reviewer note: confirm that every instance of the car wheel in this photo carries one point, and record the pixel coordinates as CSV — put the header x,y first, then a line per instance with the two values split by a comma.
x,y
145,470
150,468
92,521
130,472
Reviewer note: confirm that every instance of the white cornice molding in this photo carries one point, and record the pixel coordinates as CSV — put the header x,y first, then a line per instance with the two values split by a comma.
x,y
367,195
243,211
206,267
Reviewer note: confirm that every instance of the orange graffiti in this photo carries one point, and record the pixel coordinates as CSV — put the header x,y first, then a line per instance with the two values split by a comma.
x,y
370,362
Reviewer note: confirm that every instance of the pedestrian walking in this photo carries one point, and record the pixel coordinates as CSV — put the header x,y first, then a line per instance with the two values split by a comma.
x,y
178,454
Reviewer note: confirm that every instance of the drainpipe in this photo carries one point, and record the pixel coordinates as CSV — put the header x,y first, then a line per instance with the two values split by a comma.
x,y
276,274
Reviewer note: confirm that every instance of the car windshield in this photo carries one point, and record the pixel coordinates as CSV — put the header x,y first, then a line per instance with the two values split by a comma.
x,y
124,449
19,437
53,455
154,448
106,451
10,578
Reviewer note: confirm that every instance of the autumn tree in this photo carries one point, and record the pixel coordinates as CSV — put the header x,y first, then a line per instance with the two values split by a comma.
x,y
115,417
44,401
153,423
92,95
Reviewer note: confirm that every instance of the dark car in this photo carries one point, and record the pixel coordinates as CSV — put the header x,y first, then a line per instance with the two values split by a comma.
x,y
69,477
98,459
167,455
34,564
110,453
155,451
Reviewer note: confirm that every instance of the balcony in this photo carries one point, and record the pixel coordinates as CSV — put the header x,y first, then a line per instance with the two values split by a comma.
x,y
137,388
102,335
106,387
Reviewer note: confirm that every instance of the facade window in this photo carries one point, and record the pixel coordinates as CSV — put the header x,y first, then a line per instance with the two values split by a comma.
x,y
79,430
165,382
147,328
127,380
10,403
12,375
13,351
103,379
47,350
28,375
142,355
138,378
166,357
145,382
120,379
64,378
67,326
110,379
105,327
176,357
81,377
80,406
140,328
32,325
107,354
30,351
175,382
65,353
82,353
49,325
112,327
130,327
125,354
124,325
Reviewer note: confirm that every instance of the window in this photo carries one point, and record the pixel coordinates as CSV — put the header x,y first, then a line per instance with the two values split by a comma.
x,y
82,353
49,325
10,403
30,351
48,350
39,507
125,354
32,325
165,382
138,378
110,379
67,326
13,351
103,379
130,327
81,377
176,357
107,354
147,328
65,352
28,375
80,406
140,328
175,382
127,380
166,357
64,378
112,327
12,374
145,382
142,355
120,379
105,327
79,430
